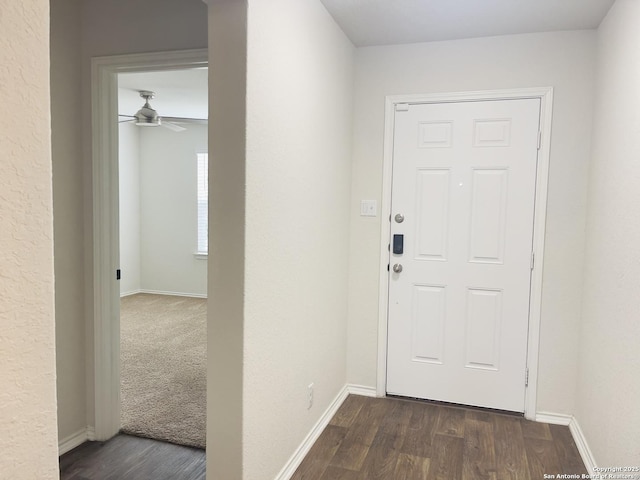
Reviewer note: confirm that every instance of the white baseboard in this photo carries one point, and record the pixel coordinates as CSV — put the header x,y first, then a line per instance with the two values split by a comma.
x,y
296,459
576,432
554,418
583,446
175,294
72,441
362,390
132,292
91,434
162,292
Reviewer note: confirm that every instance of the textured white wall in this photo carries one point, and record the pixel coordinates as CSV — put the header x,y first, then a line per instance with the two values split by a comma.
x,y
68,225
129,193
563,60
168,206
107,28
299,112
28,439
609,380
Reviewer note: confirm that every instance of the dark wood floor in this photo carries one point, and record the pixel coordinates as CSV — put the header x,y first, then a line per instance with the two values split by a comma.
x,y
131,458
368,439
393,439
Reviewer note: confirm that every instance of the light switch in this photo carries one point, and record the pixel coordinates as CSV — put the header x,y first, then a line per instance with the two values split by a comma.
x,y
368,208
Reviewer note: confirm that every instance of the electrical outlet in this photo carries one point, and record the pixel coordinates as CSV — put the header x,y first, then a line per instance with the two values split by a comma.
x,y
310,395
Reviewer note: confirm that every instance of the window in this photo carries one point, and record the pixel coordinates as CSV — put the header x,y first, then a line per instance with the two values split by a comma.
x,y
203,204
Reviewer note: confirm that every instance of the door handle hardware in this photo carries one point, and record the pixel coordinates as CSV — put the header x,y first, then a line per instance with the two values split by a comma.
x,y
397,268
399,218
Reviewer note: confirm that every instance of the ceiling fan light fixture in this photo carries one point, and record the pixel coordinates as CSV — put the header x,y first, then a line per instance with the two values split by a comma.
x,y
147,116
143,121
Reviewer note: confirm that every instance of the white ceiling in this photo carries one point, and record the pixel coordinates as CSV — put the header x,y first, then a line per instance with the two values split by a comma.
x,y
387,22
179,93
183,93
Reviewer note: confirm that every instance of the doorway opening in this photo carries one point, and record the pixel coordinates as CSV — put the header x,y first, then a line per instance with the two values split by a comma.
x,y
106,214
163,186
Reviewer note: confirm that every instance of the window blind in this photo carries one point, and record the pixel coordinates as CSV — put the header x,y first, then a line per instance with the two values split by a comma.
x,y
203,203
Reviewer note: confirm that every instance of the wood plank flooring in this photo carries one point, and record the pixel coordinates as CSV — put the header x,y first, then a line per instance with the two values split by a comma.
x,y
394,439
367,439
125,457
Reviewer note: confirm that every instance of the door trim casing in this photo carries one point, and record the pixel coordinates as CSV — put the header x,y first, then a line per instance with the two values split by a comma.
x,y
104,370
545,94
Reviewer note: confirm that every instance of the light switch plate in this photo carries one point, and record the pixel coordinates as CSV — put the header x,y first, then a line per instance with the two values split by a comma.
x,y
368,208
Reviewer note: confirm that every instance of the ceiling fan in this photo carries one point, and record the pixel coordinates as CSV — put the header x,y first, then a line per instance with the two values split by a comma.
x,y
148,117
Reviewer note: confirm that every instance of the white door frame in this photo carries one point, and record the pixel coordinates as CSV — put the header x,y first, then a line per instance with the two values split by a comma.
x,y
545,94
106,242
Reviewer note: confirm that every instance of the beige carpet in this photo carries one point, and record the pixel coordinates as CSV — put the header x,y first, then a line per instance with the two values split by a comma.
x,y
163,367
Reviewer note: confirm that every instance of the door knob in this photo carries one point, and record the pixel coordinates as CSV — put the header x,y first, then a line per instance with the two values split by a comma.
x,y
397,268
399,218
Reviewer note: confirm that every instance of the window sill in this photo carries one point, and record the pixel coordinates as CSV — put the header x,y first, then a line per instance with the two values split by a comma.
x,y
201,255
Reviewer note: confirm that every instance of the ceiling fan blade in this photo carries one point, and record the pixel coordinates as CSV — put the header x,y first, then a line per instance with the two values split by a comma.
x,y
126,121
173,126
197,121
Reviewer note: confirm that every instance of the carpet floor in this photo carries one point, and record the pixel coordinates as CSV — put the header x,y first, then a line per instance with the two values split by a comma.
x,y
163,368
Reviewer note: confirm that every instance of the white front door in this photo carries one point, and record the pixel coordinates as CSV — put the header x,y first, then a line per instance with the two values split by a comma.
x,y
463,196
